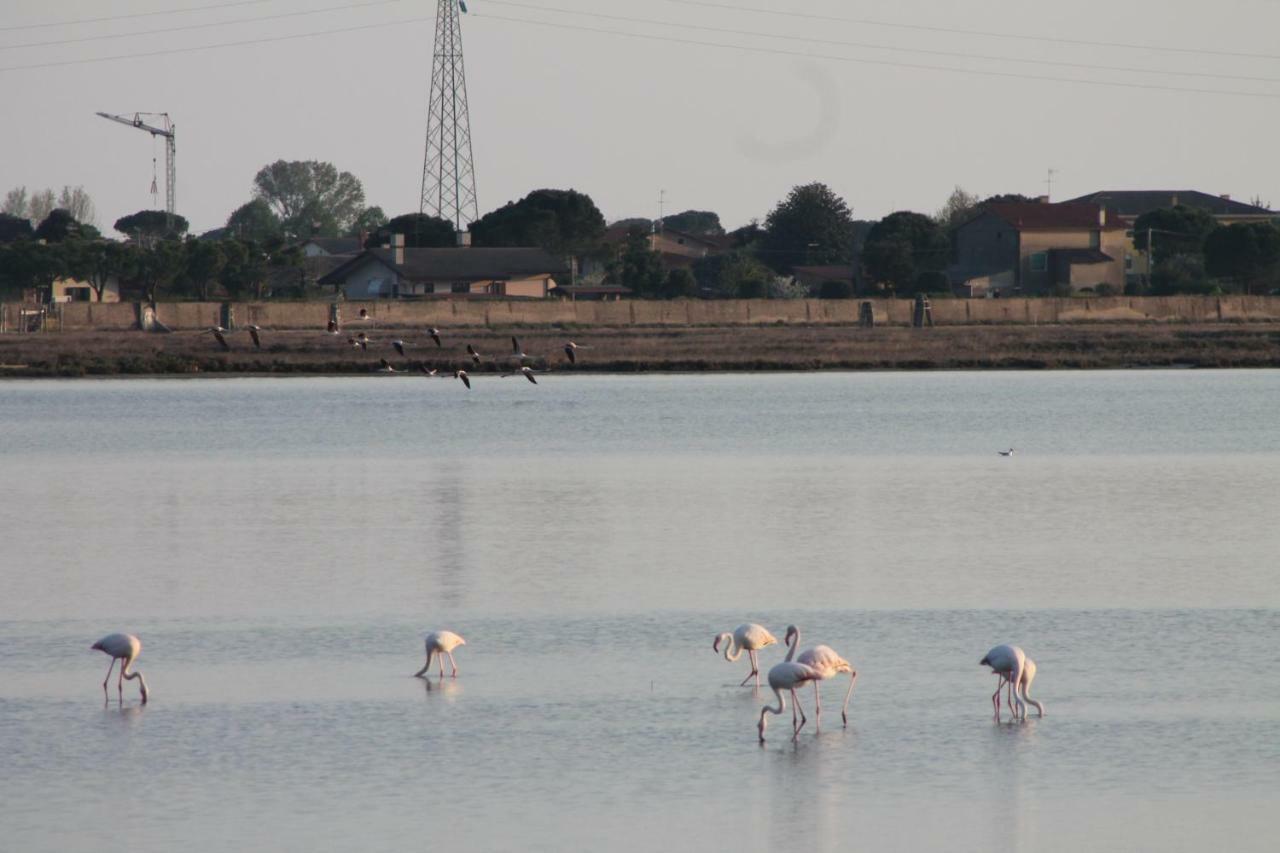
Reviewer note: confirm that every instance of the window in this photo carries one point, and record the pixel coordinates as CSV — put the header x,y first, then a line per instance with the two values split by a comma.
x,y
461,287
1128,262
1095,239
1039,261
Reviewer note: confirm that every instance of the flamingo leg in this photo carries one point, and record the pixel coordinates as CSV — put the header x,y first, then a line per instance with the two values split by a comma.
x,y
452,664
440,660
106,680
755,667
120,681
817,703
803,720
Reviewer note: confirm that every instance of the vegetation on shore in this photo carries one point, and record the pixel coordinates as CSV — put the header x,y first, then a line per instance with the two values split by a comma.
x,y
632,349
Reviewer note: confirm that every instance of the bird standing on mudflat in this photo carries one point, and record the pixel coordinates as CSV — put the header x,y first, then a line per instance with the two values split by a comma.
x,y
439,644
748,637
124,648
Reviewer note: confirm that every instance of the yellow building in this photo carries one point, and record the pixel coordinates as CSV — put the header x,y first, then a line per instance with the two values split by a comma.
x,y
399,273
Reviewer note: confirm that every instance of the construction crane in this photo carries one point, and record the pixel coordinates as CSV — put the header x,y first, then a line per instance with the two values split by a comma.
x,y
169,132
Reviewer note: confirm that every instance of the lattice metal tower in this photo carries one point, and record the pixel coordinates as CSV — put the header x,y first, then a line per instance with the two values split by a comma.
x,y
448,173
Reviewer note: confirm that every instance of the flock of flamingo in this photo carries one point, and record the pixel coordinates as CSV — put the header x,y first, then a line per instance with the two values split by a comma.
x,y
519,362
819,663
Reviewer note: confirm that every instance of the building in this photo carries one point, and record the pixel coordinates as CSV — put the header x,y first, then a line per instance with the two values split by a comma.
x,y
329,246
678,250
812,278
73,290
1038,248
1128,205
399,273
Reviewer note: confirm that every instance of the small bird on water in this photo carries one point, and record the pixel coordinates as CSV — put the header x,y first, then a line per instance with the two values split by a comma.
x,y
124,648
1008,452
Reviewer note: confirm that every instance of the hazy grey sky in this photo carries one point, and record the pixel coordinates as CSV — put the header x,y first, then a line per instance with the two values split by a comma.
x,y
622,117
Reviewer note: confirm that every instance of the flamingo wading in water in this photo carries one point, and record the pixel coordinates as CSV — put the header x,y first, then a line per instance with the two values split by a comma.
x,y
124,648
439,644
787,675
752,638
1015,670
1024,687
828,664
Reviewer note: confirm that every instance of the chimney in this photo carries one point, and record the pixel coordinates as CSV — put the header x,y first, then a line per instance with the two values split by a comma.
x,y
397,244
1042,199
1102,217
463,239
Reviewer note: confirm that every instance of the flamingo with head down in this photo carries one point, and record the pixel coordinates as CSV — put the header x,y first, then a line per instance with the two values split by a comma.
x,y
749,637
828,664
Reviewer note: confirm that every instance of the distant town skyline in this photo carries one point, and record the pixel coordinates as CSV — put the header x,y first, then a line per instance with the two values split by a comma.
x,y
891,115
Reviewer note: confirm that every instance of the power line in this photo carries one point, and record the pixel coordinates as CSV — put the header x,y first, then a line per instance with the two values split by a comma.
x,y
171,51
880,62
984,33
892,48
252,20
133,15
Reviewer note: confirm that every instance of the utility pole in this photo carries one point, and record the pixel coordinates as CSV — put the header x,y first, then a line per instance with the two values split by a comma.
x,y
169,131
448,171
1048,185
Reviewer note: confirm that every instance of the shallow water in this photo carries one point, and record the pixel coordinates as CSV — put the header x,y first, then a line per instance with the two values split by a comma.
x,y
281,545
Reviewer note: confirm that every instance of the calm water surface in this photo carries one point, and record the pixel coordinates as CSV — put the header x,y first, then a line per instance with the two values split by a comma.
x,y
281,546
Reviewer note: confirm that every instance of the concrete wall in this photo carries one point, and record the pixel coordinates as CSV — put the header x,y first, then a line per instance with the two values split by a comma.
x,y
81,316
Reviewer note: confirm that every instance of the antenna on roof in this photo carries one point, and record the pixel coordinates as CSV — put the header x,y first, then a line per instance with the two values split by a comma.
x,y
1048,184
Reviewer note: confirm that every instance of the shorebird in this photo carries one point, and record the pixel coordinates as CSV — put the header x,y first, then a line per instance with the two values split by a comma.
x,y
526,372
217,331
471,351
748,637
434,334
439,644
353,343
364,313
253,333
426,372
1010,663
787,675
1024,688
386,366
399,345
517,353
462,374
332,328
363,340
1008,452
828,664
124,648
571,349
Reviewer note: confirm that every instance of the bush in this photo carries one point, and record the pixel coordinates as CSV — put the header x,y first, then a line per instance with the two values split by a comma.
x,y
933,281
835,290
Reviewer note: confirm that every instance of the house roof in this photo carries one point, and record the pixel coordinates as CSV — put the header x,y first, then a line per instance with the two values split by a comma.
x,y
1080,256
829,272
456,264
1031,215
336,245
1134,203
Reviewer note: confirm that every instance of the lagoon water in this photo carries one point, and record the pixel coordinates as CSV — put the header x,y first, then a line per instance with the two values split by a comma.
x,y
282,545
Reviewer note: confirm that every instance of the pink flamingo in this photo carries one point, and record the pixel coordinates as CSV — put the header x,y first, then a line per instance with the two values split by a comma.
x,y
828,664
440,644
1024,687
122,647
748,636
787,675
1016,672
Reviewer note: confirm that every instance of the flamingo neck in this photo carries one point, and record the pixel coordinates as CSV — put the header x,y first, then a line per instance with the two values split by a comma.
x,y
782,706
130,676
732,651
1027,700
793,644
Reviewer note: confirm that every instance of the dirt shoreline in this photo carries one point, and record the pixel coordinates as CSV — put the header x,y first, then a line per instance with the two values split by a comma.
x,y
650,349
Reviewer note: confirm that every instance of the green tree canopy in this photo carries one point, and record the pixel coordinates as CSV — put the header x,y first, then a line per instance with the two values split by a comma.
x,y
421,231
812,225
60,225
310,198
154,268
1179,230
733,274
28,263
15,228
638,267
204,260
146,225
254,221
702,222
902,246
98,262
959,206
245,267
368,221
564,222
1248,254
679,283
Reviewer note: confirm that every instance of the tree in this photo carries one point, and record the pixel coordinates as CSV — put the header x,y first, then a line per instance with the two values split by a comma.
x,y
16,204
13,227
254,221
311,199
156,267
60,225
812,225
959,206
733,274
149,225
1247,253
246,265
638,267
902,246
204,260
368,221
702,222
98,262
1179,230
31,264
1007,198
835,290
678,283
1180,274
77,202
421,231
563,222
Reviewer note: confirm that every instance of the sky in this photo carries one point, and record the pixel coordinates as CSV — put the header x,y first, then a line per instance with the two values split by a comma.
x,y
626,100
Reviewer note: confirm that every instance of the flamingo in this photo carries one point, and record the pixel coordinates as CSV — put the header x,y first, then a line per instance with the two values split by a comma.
x,y
1024,687
471,351
363,340
749,636
434,334
1009,662
525,371
517,352
425,371
332,327
571,350
253,333
217,331
1008,452
399,345
122,647
439,644
787,675
462,374
828,664
386,366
